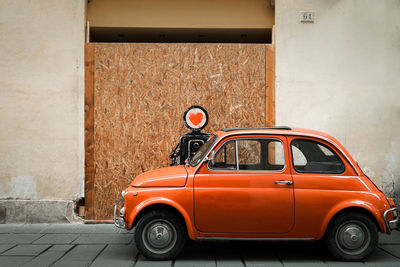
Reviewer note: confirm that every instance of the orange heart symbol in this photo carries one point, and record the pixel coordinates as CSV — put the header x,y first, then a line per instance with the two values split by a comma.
x,y
196,118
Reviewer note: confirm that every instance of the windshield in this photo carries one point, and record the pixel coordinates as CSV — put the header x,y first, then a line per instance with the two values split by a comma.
x,y
202,151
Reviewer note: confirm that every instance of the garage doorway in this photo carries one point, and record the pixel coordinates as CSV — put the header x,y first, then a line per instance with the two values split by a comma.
x,y
135,96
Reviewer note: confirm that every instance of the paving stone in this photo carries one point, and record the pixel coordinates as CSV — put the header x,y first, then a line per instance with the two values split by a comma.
x,y
195,257
26,250
49,256
30,228
81,255
61,247
56,239
45,259
81,229
104,229
393,238
333,262
62,228
345,264
11,261
103,239
228,258
116,255
22,228
300,253
264,258
143,262
392,249
301,258
8,228
382,259
18,238
6,247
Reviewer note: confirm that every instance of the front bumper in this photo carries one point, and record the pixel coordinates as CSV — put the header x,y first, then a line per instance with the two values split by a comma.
x,y
392,224
119,221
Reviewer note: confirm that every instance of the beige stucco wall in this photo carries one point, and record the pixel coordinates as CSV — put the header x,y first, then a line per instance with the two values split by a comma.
x,y
341,75
41,99
181,13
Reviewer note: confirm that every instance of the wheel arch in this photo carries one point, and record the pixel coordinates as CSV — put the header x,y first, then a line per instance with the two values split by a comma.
x,y
359,207
169,205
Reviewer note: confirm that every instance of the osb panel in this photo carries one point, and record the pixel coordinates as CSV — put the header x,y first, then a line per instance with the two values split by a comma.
x,y
228,80
141,92
270,84
136,115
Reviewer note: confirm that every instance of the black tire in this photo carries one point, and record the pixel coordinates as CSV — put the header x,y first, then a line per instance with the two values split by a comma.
x,y
351,237
160,235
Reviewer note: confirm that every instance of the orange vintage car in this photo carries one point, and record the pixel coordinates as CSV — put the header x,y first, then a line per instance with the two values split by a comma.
x,y
273,183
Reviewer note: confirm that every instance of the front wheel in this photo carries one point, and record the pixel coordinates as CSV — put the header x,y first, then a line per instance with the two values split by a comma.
x,y
160,235
351,237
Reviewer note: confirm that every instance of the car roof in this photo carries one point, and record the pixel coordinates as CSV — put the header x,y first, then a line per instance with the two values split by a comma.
x,y
285,130
278,130
262,128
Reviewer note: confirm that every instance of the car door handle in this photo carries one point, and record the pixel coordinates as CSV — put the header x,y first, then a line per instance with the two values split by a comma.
x,y
284,182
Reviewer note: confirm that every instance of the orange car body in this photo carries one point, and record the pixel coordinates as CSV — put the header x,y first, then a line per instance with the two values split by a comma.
x,y
251,204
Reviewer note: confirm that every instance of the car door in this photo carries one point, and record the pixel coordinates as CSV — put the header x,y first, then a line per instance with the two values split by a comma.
x,y
247,189
323,178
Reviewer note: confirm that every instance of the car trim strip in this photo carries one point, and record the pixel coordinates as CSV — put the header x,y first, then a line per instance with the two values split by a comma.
x,y
261,128
255,238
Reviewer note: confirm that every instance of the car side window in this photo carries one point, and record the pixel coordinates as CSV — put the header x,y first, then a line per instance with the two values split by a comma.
x,y
299,159
250,154
313,157
226,157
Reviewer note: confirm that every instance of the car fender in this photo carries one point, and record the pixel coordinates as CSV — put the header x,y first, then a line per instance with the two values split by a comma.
x,y
192,232
351,204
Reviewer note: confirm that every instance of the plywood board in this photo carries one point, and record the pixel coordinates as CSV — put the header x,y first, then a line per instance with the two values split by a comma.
x,y
89,131
141,92
228,80
270,84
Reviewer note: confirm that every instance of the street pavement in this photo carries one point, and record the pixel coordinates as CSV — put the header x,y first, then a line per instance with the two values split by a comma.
x,y
76,245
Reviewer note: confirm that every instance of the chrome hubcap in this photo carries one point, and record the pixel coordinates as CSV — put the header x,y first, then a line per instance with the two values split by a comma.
x,y
353,237
159,236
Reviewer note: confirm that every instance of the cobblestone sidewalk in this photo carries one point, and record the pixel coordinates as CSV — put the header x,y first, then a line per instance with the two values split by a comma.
x,y
105,245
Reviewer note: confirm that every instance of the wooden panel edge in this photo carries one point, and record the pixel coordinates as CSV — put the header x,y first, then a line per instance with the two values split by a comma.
x,y
89,131
270,85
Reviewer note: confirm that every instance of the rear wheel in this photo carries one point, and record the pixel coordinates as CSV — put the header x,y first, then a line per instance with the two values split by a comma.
x,y
351,237
160,235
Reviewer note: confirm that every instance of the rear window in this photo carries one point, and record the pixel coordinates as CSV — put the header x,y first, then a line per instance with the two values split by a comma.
x,y
314,157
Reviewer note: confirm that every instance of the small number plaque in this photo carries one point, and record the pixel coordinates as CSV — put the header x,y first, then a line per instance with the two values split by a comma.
x,y
307,16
